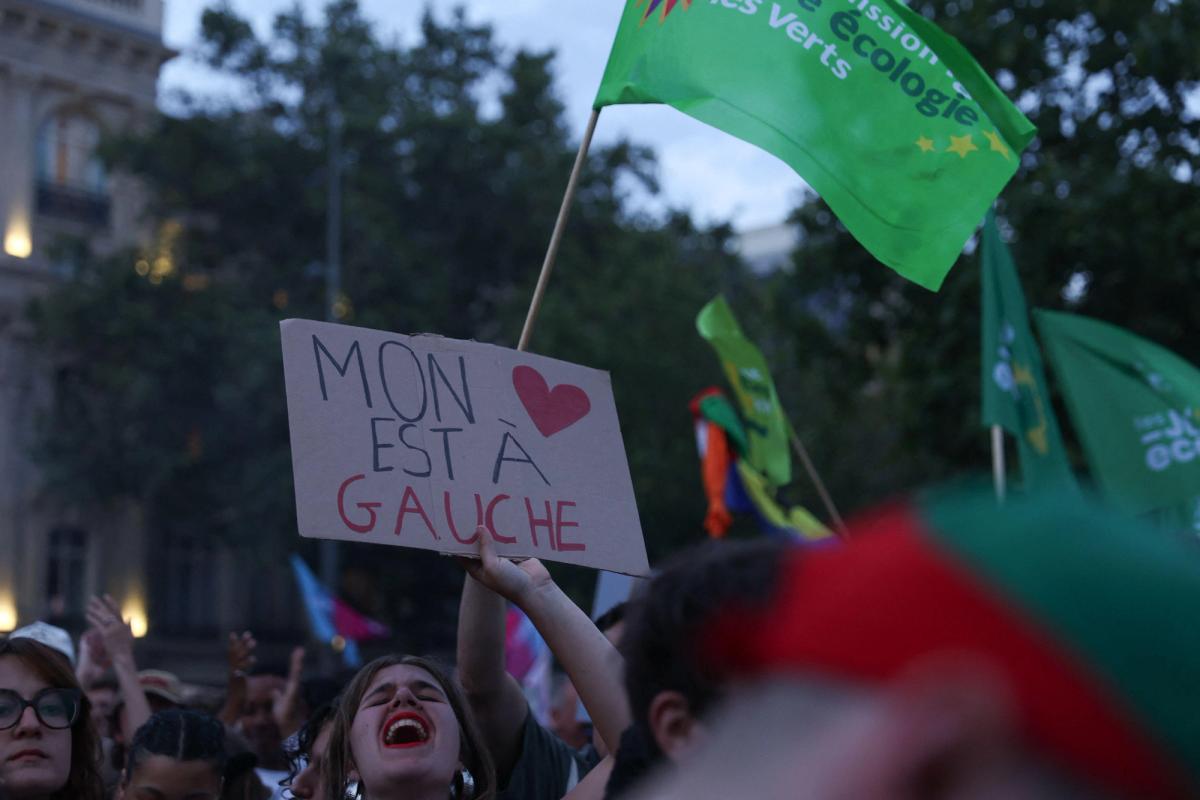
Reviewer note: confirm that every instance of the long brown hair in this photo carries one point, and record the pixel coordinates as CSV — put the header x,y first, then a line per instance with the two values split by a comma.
x,y
83,781
472,751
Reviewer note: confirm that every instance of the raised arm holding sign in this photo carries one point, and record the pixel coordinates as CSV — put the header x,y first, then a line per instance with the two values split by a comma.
x,y
530,761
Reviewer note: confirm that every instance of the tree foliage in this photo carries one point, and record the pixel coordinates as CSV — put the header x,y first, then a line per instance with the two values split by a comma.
x,y
1102,219
170,387
450,190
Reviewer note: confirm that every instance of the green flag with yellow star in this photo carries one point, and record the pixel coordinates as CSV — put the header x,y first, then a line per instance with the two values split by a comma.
x,y
905,137
1014,393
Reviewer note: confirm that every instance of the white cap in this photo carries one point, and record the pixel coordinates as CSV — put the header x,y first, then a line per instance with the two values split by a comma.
x,y
51,636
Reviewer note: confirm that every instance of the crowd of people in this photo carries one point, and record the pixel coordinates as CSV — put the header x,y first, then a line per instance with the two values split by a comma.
x,y
948,648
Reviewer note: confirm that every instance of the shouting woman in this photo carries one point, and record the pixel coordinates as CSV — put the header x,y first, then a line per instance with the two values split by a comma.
x,y
404,730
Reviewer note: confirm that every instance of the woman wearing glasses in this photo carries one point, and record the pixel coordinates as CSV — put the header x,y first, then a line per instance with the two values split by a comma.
x,y
48,747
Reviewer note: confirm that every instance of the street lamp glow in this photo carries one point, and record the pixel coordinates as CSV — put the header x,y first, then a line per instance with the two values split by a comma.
x,y
134,613
8,613
17,242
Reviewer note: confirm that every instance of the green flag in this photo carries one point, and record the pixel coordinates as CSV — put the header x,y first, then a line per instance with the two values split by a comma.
x,y
1135,405
717,409
1014,381
750,378
1185,517
905,137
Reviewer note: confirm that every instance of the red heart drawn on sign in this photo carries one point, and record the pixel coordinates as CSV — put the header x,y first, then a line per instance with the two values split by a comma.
x,y
550,409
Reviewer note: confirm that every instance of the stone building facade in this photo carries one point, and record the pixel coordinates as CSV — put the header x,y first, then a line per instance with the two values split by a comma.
x,y
71,72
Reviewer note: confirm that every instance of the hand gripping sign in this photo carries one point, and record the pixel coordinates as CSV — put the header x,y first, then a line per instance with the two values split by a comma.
x,y
418,440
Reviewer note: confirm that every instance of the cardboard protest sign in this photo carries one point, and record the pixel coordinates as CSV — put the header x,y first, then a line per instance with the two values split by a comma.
x,y
417,440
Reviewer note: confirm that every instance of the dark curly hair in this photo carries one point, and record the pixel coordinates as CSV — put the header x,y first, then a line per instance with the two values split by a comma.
x,y
662,627
83,780
299,748
179,734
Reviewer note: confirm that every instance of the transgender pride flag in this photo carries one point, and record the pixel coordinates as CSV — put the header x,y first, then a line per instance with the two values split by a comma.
x,y
527,658
330,617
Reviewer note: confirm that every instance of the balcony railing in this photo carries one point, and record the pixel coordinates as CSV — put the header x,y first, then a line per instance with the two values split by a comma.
x,y
140,14
67,202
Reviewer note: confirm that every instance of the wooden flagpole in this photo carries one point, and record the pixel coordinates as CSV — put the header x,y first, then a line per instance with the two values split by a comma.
x,y
998,472
830,508
535,304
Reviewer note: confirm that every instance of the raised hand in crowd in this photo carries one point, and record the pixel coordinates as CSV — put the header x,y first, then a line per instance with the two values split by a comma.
x,y
590,660
521,582
495,696
288,707
93,671
255,703
240,658
93,659
112,635
531,762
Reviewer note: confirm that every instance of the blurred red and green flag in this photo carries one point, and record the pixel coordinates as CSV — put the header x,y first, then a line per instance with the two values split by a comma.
x,y
1085,618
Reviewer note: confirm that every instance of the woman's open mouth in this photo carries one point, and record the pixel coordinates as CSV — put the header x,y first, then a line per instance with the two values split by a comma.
x,y
406,729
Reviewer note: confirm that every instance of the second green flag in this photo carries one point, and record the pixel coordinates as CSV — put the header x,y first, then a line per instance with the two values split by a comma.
x,y
1014,382
1135,405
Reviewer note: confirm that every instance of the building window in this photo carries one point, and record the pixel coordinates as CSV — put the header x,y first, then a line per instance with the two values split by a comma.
x,y
67,146
71,180
272,597
66,573
185,600
124,5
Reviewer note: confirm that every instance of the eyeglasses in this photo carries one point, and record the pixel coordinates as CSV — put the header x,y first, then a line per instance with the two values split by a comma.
x,y
55,708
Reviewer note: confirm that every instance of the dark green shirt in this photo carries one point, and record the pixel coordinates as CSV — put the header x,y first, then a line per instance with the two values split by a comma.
x,y
547,767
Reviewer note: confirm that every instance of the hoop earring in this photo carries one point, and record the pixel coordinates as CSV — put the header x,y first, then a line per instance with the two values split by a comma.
x,y
463,786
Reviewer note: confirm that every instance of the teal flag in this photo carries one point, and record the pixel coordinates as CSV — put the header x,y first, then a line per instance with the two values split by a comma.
x,y
767,440
1185,517
1013,379
888,118
1136,407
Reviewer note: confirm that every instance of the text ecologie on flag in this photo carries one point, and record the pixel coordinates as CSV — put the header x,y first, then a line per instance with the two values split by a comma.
x,y
907,147
852,28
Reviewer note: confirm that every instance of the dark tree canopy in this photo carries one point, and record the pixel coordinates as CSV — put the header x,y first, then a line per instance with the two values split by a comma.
x,y
170,386
1103,220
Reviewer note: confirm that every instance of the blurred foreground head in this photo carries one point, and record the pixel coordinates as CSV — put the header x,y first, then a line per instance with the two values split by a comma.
x,y
954,649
